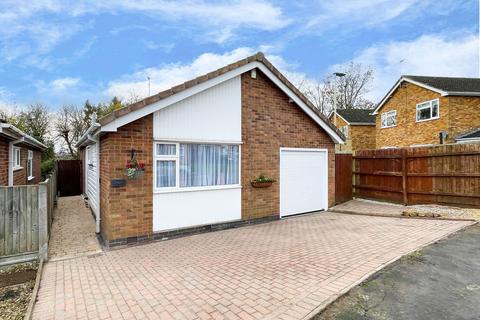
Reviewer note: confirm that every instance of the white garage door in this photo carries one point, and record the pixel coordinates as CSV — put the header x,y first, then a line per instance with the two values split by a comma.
x,y
303,180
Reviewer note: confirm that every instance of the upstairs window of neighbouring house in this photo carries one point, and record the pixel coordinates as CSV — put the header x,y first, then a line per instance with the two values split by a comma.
x,y
186,165
16,158
428,110
344,130
30,165
389,119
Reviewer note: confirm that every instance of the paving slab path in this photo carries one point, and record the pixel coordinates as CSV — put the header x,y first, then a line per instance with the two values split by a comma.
x,y
286,269
73,230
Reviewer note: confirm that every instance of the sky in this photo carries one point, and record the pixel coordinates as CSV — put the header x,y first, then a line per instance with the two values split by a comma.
x,y
65,52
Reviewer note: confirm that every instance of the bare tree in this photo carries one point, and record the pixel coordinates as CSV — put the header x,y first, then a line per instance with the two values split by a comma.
x,y
70,126
349,90
318,93
345,92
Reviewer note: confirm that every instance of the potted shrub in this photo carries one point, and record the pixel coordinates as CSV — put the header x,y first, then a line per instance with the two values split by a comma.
x,y
262,182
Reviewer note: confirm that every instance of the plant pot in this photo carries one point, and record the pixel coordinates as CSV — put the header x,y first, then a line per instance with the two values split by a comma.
x,y
257,184
135,175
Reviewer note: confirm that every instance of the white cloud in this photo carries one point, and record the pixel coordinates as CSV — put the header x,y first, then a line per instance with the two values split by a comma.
x,y
26,30
58,86
168,75
342,15
431,55
151,45
62,84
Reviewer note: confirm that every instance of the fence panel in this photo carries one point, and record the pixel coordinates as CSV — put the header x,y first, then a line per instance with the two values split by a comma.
x,y
26,214
448,174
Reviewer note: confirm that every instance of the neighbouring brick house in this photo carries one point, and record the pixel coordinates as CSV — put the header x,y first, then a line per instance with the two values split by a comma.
x,y
421,110
20,157
201,144
358,127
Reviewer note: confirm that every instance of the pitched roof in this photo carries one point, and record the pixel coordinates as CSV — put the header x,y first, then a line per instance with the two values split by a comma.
x,y
474,134
258,57
449,84
357,116
446,86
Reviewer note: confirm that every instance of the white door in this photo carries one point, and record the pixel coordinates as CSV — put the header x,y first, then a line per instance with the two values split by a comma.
x,y
303,180
91,170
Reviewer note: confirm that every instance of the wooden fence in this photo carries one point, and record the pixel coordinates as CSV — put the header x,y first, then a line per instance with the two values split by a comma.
x,y
69,177
26,215
343,177
448,174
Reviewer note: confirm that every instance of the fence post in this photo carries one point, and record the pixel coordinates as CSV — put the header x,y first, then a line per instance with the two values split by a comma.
x,y
42,222
404,177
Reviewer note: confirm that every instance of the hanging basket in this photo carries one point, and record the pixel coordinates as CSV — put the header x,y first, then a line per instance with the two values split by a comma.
x,y
258,184
134,173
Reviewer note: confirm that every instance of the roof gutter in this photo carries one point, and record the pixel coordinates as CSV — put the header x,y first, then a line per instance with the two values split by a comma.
x,y
458,93
16,133
88,136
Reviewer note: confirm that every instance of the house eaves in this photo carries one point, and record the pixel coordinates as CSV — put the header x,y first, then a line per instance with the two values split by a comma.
x,y
14,133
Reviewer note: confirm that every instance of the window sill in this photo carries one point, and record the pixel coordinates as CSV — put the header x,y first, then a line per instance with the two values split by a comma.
x,y
30,178
193,189
17,168
424,120
388,127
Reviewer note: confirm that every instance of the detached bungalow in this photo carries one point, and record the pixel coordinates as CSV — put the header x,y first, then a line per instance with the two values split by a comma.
x,y
20,157
184,159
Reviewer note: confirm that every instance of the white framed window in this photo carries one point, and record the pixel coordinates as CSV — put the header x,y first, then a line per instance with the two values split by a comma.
x,y
389,119
344,130
16,158
428,110
30,165
166,165
179,166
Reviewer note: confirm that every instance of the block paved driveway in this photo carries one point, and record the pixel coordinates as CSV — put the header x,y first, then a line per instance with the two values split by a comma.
x,y
280,270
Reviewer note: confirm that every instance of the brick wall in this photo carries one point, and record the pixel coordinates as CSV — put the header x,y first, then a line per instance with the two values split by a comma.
x,y
347,146
464,115
126,211
362,137
20,176
37,170
270,121
3,162
409,132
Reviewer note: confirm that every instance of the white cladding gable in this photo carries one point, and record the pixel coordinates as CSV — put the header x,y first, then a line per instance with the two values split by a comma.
x,y
211,115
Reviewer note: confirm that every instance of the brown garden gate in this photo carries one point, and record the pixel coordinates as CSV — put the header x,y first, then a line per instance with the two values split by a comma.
x,y
343,177
69,177
448,174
